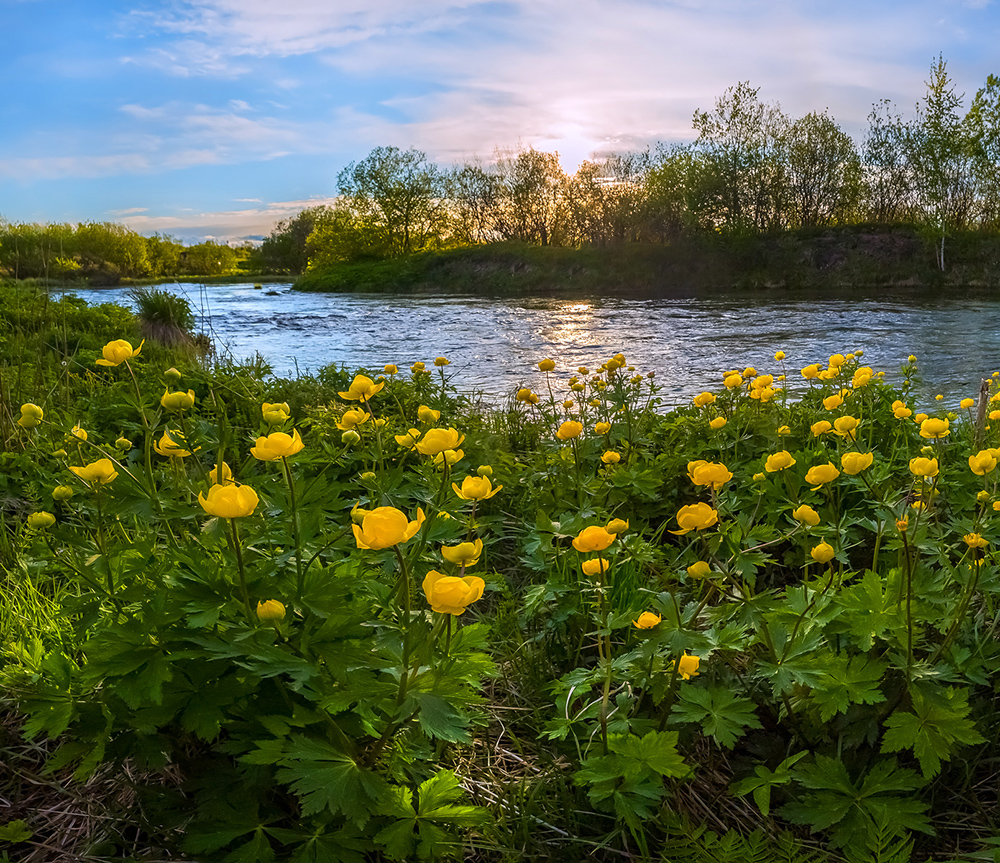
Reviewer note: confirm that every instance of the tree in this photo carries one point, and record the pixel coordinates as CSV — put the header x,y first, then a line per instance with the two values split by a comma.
x,y
286,250
400,195
823,171
605,199
742,142
530,203
341,235
886,176
473,193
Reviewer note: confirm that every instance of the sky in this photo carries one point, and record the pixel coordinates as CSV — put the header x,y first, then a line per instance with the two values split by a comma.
x,y
216,118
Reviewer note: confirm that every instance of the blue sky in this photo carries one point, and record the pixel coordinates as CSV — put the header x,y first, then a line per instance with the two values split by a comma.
x,y
216,118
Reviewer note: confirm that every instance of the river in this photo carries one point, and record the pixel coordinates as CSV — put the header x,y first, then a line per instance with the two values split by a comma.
x,y
495,343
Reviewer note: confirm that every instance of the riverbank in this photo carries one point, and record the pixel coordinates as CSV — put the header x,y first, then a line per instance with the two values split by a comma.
x,y
855,258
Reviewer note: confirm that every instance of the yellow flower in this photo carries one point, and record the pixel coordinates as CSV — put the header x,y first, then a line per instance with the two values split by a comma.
x,y
62,492
822,553
569,430
386,526
178,401
779,356
418,366
277,445
451,456
996,506
169,448
408,440
911,358
116,352
76,433
122,444
229,501
484,470
438,440
595,566
353,418
806,514
717,423
939,397
919,418
733,380
994,415
275,414
699,569
934,428
647,620
476,488
428,415
696,516
546,365
593,538
925,467
348,438
965,404
759,477
463,554
391,369
602,428
821,474
983,496
362,387
221,475
982,462
902,524
811,372
784,430
778,461
442,361
900,411
821,427
749,372
855,462
171,375
448,594
617,525
831,403
41,520
101,471
709,473
687,667
702,399
270,609
845,426
611,457
31,415
974,540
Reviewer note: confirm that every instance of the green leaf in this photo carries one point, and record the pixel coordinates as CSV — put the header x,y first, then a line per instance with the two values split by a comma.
x,y
15,831
764,780
873,609
934,728
722,715
846,681
657,751
439,719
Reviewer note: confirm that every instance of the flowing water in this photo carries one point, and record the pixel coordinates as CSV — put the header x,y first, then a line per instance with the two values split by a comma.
x,y
495,343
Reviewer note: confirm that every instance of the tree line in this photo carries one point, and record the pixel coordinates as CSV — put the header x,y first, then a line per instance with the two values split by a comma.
x,y
751,169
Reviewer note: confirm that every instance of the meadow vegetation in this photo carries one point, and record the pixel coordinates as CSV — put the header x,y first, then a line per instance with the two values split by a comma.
x,y
358,616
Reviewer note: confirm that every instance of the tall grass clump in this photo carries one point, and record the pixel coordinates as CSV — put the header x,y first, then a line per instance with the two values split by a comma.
x,y
164,317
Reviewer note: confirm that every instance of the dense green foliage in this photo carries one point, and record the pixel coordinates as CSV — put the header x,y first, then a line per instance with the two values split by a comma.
x,y
749,629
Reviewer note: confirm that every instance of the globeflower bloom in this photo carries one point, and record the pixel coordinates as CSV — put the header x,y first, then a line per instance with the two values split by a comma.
x,y
845,426
820,474
778,461
687,666
900,411
277,445
448,594
408,440
831,403
547,365
924,467
275,414
594,538
41,520
62,492
982,462
974,540
168,447
611,457
811,372
428,415
822,553
696,516
646,620
438,440
362,387
934,428
353,418
617,525
463,554
821,427
806,514
595,566
177,401
711,474
699,569
717,423
602,428
116,352
476,488
855,462
386,526
99,472
733,380
221,474
702,399
31,415
569,430
270,609
229,501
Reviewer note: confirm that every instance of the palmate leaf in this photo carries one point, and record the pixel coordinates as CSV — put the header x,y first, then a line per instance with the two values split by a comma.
x,y
324,777
723,716
764,780
656,751
847,681
427,828
873,609
852,810
933,729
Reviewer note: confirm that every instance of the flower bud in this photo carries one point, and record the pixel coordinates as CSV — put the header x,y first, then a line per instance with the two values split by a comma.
x,y
484,470
270,609
350,437
62,492
122,444
368,476
171,375
41,520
